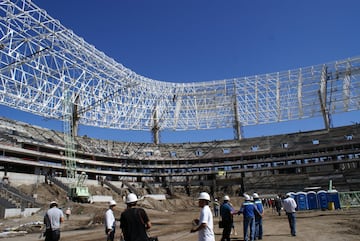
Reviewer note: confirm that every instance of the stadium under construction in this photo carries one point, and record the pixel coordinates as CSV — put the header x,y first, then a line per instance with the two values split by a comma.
x,y
47,70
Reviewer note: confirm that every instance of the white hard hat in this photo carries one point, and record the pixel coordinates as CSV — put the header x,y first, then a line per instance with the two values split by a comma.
x,y
204,196
247,197
255,195
53,203
226,198
112,203
131,198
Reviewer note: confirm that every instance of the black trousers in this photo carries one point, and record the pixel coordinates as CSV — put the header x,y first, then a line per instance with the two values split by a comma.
x,y
226,231
52,235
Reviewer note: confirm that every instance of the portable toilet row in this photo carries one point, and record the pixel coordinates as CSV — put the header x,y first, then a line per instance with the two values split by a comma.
x,y
329,200
316,200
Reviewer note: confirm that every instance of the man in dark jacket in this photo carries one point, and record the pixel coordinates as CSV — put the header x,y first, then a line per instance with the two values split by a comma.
x,y
278,205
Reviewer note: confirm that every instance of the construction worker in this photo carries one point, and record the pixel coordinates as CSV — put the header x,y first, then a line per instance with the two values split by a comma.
x,y
258,218
134,221
52,220
110,222
204,225
248,209
226,213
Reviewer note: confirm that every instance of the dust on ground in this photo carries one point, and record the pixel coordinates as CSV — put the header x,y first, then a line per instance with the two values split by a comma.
x,y
172,220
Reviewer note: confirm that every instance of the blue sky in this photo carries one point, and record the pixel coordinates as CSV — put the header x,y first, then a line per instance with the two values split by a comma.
x,y
201,40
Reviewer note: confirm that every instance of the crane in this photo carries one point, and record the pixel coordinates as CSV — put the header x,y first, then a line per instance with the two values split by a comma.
x,y
78,191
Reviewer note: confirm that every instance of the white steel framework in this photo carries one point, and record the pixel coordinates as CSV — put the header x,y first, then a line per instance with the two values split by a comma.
x,y
41,62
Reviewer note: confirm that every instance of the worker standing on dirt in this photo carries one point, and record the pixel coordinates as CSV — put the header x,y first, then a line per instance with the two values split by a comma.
x,y
110,222
52,220
204,224
278,204
134,221
258,217
68,213
290,209
216,206
248,209
226,213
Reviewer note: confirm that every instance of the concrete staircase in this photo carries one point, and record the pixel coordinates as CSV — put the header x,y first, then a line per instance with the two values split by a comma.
x,y
15,198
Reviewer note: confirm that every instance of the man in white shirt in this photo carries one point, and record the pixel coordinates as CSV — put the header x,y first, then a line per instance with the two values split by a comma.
x,y
110,222
290,209
204,224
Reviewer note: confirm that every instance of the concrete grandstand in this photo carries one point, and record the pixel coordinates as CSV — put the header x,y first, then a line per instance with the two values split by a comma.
x,y
268,164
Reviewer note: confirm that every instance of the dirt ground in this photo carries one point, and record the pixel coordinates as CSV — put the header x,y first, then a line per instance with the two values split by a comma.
x,y
172,221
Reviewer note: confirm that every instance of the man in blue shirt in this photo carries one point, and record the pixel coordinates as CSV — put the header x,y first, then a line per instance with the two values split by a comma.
x,y
248,209
258,218
226,213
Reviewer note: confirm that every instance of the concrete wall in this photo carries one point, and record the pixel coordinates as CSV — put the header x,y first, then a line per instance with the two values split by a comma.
x,y
100,198
17,212
17,179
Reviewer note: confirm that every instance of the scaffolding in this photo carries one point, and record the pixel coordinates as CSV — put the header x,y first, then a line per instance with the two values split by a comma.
x,y
40,59
349,199
78,191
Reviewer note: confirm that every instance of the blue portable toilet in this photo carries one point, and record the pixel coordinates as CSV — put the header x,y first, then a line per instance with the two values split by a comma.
x,y
312,200
301,200
322,199
333,197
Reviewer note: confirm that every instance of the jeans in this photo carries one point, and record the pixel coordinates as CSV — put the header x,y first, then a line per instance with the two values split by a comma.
x,y
216,211
249,221
258,228
292,223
